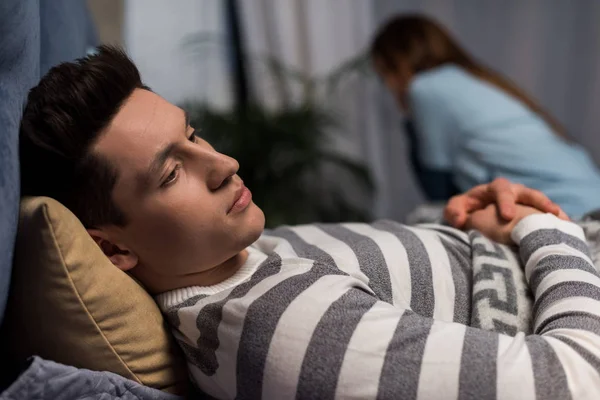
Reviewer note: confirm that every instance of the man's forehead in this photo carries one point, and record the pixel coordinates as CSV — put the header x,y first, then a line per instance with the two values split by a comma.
x,y
144,114
142,110
144,124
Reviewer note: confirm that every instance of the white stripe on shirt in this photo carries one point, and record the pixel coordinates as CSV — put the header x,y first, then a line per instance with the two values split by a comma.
x,y
440,367
377,330
583,379
441,273
515,383
326,290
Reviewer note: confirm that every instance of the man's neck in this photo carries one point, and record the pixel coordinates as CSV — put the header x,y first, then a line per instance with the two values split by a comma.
x,y
209,277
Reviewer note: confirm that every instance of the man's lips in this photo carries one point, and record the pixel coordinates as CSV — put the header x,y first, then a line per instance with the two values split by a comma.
x,y
241,200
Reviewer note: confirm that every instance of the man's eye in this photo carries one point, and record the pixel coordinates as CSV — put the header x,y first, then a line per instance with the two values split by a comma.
x,y
172,176
193,138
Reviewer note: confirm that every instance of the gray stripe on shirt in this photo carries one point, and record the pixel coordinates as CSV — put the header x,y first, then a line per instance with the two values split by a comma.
x,y
172,313
328,345
370,259
478,372
401,369
261,320
548,237
570,320
302,248
210,316
557,262
565,290
462,275
422,297
548,373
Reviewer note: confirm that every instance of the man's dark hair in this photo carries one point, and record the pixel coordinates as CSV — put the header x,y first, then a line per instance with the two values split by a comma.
x,y
64,116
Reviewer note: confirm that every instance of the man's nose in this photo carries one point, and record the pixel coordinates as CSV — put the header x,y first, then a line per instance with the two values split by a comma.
x,y
221,168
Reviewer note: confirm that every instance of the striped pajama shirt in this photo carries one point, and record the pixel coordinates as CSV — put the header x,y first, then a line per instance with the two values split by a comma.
x,y
382,311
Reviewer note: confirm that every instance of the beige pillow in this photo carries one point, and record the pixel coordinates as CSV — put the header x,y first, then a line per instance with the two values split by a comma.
x,y
69,304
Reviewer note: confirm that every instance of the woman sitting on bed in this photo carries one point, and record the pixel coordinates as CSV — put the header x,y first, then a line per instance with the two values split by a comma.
x,y
468,125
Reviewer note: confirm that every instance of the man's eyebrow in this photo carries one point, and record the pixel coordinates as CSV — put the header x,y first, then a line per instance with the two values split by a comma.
x,y
159,161
161,158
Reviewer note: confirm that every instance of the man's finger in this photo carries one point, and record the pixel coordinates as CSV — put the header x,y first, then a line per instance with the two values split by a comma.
x,y
506,200
507,205
537,199
562,215
480,192
452,211
458,209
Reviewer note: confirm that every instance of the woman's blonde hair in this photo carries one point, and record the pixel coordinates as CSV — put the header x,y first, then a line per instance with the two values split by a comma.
x,y
425,44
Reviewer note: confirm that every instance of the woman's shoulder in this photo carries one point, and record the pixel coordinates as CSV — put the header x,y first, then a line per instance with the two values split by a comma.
x,y
454,88
444,92
446,76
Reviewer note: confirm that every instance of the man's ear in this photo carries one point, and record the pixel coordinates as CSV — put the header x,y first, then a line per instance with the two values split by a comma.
x,y
121,256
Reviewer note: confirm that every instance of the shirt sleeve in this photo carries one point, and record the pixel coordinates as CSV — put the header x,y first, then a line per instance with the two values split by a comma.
x,y
437,184
364,348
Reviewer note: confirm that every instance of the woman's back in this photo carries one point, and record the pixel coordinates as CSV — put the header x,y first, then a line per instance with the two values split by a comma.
x,y
480,132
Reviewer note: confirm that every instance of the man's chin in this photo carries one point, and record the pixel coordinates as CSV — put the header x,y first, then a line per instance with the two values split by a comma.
x,y
257,218
257,228
249,228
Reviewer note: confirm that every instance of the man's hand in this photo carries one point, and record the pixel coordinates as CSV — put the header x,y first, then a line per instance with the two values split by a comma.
x,y
506,195
493,226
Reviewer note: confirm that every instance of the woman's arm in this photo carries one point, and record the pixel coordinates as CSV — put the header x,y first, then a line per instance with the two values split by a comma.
x,y
432,99
437,184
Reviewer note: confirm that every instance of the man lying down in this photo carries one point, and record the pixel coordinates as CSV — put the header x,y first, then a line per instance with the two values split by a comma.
x,y
316,311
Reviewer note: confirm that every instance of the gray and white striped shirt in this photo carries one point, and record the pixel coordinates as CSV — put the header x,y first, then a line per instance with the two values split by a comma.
x,y
383,311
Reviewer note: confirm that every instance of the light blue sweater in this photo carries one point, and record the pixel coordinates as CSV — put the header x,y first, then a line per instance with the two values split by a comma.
x,y
479,132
